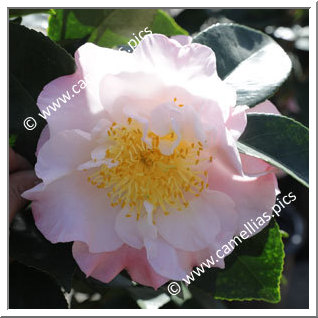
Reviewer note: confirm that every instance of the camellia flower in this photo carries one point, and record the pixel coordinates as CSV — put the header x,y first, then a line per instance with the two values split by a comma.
x,y
141,168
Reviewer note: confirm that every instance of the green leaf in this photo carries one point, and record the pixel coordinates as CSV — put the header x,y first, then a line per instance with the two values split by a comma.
x,y
109,27
21,12
249,60
69,24
108,38
21,106
123,22
279,140
284,234
164,24
252,271
28,246
16,20
34,61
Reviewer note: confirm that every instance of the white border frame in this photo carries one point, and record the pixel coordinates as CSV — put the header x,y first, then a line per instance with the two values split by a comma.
x,y
312,166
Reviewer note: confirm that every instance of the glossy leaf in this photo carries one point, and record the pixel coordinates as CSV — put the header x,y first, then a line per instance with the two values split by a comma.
x,y
22,12
125,23
109,27
72,24
252,271
164,24
35,60
249,60
279,140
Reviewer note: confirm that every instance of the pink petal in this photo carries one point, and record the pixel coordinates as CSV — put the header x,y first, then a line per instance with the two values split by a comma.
x,y
174,263
237,121
182,39
158,51
223,145
252,196
95,61
127,229
193,259
255,167
202,224
71,209
72,114
192,67
266,107
183,121
125,89
62,153
106,266
164,259
82,109
44,137
228,153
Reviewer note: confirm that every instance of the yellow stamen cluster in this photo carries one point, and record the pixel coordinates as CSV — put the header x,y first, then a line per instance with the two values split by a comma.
x,y
143,173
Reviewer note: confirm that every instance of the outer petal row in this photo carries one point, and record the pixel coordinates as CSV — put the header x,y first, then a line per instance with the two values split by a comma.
x,y
71,209
106,266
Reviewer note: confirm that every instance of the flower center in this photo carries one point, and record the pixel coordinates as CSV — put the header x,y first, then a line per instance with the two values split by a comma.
x,y
143,173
